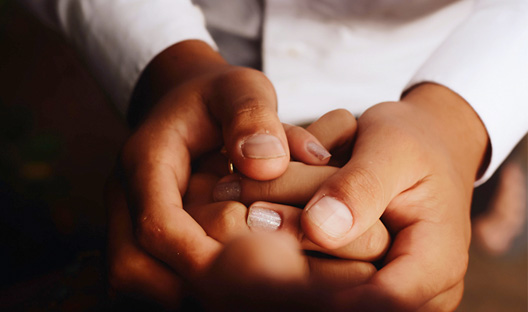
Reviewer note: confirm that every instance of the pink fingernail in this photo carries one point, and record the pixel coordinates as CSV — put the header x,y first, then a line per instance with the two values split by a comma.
x,y
262,146
318,151
227,191
263,219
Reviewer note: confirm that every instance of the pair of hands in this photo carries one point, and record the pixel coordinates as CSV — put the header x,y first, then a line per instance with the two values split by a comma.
x,y
414,164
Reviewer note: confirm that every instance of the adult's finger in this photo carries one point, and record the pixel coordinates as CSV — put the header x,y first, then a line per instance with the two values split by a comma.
x,y
387,160
156,162
131,270
244,101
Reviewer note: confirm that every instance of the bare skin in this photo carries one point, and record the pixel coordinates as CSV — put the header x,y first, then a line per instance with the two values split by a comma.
x,y
137,272
414,163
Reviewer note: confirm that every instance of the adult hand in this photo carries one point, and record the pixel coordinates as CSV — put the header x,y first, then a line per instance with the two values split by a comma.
x,y
414,163
190,101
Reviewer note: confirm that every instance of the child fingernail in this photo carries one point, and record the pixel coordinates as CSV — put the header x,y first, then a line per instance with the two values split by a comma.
x,y
331,216
263,146
263,219
318,151
227,191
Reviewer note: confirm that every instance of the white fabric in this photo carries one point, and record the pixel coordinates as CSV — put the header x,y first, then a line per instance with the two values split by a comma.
x,y
120,37
327,54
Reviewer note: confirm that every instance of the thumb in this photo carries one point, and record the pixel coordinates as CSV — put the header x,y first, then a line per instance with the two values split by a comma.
x,y
385,162
244,102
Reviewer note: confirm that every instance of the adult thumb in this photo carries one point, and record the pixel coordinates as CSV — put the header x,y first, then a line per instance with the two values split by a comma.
x,y
245,103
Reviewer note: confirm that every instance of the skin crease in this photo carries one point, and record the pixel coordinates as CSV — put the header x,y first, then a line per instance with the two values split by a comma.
x,y
433,135
226,223
438,143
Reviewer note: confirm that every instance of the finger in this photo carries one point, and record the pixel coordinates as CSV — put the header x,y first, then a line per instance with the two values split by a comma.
x,y
131,270
447,301
156,160
338,274
385,162
263,216
223,221
334,131
245,103
416,271
295,187
259,272
305,147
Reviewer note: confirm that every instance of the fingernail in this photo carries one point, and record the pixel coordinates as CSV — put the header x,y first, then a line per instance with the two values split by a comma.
x,y
262,146
263,219
227,191
318,151
331,216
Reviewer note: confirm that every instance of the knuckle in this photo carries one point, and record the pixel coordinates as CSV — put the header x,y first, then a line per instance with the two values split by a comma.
x,y
232,218
252,110
365,271
149,232
269,189
362,188
294,131
376,243
344,117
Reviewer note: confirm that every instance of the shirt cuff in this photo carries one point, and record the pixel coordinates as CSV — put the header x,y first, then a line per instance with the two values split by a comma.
x,y
120,37
485,61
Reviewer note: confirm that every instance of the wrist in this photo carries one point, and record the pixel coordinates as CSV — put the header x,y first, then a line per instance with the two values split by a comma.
x,y
456,125
174,66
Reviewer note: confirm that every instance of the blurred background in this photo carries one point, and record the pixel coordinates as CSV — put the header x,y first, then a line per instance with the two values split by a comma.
x,y
59,138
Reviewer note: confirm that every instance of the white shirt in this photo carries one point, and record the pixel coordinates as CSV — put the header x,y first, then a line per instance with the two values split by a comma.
x,y
324,54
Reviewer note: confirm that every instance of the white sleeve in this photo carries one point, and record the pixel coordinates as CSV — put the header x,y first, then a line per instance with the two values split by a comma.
x,y
119,38
485,60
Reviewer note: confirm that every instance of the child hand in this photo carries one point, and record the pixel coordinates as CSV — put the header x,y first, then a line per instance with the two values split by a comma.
x,y
414,164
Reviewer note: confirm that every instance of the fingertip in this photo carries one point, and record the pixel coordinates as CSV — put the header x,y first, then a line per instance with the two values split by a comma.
x,y
327,222
305,147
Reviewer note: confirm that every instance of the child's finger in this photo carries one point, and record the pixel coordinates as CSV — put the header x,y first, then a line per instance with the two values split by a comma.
x,y
305,147
337,274
334,129
333,132
245,104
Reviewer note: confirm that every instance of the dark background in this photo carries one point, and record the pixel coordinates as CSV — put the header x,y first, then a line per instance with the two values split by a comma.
x,y
59,138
